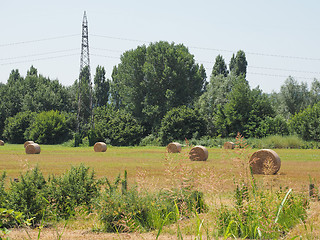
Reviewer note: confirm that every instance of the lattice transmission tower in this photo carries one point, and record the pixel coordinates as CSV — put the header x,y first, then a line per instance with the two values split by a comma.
x,y
85,113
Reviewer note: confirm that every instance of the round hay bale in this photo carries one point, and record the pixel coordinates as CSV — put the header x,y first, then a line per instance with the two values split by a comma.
x,y
1,143
27,143
33,148
229,145
100,147
174,147
198,153
265,161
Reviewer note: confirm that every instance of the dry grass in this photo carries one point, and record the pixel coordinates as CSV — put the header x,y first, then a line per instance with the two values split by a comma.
x,y
151,167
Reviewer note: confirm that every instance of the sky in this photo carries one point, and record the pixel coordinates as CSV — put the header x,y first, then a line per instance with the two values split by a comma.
x,y
279,37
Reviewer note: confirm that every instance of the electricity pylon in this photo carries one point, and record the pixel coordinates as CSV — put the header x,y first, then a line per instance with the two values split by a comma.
x,y
84,92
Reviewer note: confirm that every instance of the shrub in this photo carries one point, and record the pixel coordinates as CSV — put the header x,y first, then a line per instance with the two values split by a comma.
x,y
77,187
49,128
16,126
150,140
273,126
307,123
27,195
3,193
120,127
180,123
127,210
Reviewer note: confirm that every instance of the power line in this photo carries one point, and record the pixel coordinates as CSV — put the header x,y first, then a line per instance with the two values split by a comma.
x,y
215,49
39,54
38,40
39,59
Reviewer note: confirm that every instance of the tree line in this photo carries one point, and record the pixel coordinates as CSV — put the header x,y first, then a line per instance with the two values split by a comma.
x,y
156,92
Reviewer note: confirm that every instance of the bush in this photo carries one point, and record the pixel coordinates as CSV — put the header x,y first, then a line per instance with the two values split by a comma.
x,y
181,123
77,187
307,123
150,140
120,127
16,126
273,126
28,194
49,128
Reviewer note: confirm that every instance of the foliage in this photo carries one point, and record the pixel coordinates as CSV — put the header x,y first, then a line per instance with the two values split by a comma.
x,y
49,128
243,112
120,127
273,126
254,214
150,140
16,126
238,64
27,195
3,193
295,96
307,123
219,67
77,187
181,123
101,87
129,210
151,80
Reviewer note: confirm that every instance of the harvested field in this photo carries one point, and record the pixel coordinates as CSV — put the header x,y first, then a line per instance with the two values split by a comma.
x,y
148,167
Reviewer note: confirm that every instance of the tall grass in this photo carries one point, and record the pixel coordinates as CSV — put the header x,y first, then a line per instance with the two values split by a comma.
x,y
259,212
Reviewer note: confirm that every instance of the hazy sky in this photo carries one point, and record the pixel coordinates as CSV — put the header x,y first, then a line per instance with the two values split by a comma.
x,y
280,37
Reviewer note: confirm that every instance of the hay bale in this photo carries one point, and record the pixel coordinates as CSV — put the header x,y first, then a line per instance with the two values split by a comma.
x,y
33,148
1,143
100,147
27,143
265,161
198,153
174,147
229,145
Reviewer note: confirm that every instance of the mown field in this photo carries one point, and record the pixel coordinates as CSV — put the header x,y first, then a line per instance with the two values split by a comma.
x,y
152,168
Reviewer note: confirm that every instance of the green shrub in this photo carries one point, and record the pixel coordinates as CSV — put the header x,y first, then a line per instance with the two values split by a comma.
x,y
27,195
120,127
127,210
16,126
49,128
77,187
3,193
273,126
150,140
181,123
307,123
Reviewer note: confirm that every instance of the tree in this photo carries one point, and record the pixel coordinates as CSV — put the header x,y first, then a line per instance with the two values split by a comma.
x,y
214,97
101,87
238,64
315,91
151,80
295,96
219,67
243,112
